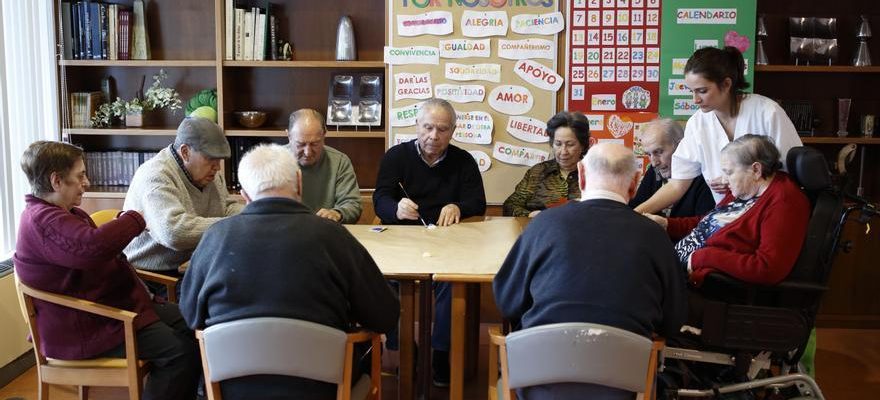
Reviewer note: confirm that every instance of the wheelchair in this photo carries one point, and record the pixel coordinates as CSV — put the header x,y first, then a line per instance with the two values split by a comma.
x,y
757,334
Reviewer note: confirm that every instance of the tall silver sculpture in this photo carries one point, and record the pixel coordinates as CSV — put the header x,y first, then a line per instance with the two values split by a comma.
x,y
863,56
761,34
346,48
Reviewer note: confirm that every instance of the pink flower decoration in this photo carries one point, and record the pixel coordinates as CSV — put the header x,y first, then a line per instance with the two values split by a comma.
x,y
741,42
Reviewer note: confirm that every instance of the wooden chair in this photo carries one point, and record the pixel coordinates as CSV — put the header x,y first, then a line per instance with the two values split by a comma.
x,y
125,372
558,353
104,216
283,346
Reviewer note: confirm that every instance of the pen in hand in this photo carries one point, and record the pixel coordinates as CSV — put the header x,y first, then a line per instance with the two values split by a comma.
x,y
407,196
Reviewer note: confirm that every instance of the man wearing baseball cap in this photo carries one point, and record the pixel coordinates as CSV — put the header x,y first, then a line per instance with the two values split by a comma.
x,y
180,194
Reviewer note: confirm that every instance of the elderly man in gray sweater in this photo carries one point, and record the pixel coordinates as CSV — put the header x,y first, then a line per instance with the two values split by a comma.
x,y
180,194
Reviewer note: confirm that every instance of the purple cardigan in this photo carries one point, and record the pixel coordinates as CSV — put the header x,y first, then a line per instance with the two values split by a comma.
x,y
63,252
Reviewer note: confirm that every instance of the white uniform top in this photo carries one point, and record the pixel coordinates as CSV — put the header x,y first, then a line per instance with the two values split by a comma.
x,y
700,150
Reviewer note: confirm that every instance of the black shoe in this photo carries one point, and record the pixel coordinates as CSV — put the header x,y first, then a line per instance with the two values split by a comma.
x,y
440,367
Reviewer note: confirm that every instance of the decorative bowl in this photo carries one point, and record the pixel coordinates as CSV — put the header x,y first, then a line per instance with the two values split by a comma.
x,y
251,119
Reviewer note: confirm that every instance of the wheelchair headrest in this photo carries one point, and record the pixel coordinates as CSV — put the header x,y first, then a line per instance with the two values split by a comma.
x,y
808,168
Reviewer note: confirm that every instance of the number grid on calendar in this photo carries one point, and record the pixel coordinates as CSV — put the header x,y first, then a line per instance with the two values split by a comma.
x,y
614,46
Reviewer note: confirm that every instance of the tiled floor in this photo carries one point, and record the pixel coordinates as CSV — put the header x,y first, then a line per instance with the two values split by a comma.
x,y
847,363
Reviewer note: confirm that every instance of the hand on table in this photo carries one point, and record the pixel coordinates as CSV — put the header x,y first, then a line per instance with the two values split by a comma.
x,y
450,214
330,214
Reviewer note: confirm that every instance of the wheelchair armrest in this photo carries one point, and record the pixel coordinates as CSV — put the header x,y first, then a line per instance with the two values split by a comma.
x,y
729,282
801,286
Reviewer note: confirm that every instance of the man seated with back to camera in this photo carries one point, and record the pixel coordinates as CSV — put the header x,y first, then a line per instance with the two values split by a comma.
x,y
429,180
594,261
278,259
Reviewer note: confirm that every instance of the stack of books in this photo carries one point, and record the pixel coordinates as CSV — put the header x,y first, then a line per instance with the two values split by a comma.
x,y
250,31
82,108
92,30
114,168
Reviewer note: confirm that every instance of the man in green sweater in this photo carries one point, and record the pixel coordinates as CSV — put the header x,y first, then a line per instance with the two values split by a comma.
x,y
330,186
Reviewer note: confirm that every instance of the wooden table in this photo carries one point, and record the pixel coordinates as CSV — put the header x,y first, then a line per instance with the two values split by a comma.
x,y
462,253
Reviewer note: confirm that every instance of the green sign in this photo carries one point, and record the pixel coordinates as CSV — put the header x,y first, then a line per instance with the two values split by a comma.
x,y
689,25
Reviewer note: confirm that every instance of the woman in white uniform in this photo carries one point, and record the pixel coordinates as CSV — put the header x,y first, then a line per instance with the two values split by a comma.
x,y
715,76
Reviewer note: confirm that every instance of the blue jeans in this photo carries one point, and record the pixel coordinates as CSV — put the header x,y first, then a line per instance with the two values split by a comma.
x,y
442,318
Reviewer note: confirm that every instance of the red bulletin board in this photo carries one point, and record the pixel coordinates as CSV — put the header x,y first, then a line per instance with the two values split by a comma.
x,y
613,60
620,126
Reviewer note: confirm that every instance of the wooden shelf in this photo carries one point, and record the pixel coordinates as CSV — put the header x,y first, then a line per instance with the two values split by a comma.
x,y
839,140
138,63
279,132
817,68
305,64
121,131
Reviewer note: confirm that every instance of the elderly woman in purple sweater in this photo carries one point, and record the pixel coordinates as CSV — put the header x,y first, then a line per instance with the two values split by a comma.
x,y
60,250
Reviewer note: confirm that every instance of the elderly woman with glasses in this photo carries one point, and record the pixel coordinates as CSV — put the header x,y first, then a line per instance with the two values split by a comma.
x,y
756,232
553,182
60,250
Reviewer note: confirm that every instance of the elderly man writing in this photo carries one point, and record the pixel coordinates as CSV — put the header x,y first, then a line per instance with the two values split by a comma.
x,y
180,194
594,261
429,179
330,185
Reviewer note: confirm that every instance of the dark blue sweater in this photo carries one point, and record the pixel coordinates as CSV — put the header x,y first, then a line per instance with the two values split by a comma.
x,y
594,261
455,180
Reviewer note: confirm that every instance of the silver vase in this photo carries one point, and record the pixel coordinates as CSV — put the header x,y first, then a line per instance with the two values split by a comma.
x,y
863,56
761,34
346,48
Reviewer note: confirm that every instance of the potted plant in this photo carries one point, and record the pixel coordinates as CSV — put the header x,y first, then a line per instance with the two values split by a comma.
x,y
131,111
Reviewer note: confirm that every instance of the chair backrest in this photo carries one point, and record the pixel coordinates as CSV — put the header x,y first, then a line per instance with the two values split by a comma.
x,y
808,168
104,216
578,353
274,346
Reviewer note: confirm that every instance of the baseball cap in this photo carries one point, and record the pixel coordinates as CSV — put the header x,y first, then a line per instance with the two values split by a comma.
x,y
204,136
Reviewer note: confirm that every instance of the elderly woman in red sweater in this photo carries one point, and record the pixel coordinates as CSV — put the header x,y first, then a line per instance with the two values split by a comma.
x,y
60,250
756,232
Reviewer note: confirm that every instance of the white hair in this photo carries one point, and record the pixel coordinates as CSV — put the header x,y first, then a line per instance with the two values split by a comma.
x,y
433,103
267,167
663,131
609,166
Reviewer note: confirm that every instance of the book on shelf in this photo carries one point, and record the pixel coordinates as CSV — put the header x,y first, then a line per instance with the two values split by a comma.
x,y
114,168
249,21
103,28
259,35
140,40
112,29
123,36
273,42
239,34
95,30
82,107
66,31
86,16
228,31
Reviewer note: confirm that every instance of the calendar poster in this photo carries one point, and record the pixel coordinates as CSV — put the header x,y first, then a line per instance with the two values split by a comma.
x,y
614,56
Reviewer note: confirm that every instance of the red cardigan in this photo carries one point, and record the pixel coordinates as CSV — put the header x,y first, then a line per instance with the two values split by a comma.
x,y
762,245
63,252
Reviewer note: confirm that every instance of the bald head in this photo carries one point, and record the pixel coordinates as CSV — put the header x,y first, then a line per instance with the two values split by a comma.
x,y
611,167
306,132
